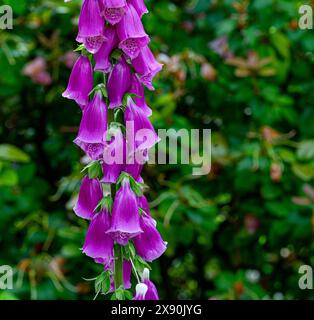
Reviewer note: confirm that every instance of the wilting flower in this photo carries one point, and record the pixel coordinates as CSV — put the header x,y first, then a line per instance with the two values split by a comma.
x,y
102,57
139,98
151,293
89,196
97,243
131,33
141,290
80,82
139,6
125,223
146,66
119,83
94,121
149,244
91,26
113,10
144,133
113,156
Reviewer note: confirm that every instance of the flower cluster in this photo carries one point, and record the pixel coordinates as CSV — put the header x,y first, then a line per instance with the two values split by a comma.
x,y
116,134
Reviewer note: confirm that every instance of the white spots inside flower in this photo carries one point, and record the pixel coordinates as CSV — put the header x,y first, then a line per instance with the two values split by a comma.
x,y
94,42
130,46
94,150
113,15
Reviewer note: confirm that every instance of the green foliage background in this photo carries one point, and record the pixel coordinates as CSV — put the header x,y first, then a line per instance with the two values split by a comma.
x,y
242,231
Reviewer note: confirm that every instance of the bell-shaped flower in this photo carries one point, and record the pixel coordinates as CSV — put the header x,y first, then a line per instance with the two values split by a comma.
x,y
140,291
139,6
149,244
119,83
131,33
125,223
113,156
102,57
140,133
137,89
94,121
151,293
89,196
92,150
98,244
146,66
113,10
91,26
80,82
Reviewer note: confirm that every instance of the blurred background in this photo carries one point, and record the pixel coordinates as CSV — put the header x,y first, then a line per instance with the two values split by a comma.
x,y
241,68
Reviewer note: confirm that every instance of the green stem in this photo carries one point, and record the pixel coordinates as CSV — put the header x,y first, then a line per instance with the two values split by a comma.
x,y
118,265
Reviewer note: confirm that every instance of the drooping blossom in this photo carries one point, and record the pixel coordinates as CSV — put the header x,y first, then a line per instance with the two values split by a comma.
x,y
119,83
94,121
131,33
149,244
147,67
80,82
102,57
113,156
125,223
89,196
144,134
143,204
98,244
113,10
91,26
137,89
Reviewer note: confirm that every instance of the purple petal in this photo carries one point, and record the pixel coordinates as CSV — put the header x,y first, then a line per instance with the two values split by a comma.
x,y
113,10
139,6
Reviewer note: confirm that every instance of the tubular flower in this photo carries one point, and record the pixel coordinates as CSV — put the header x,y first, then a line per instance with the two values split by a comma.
x,y
125,223
80,82
89,196
119,83
113,10
131,33
91,26
115,133
98,244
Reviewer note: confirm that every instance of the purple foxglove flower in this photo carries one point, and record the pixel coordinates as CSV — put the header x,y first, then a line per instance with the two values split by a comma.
x,y
125,223
143,203
139,6
149,244
89,196
131,33
113,10
119,83
138,89
113,157
93,150
146,66
141,290
94,121
91,26
133,169
151,293
144,133
97,243
102,57
80,82
127,270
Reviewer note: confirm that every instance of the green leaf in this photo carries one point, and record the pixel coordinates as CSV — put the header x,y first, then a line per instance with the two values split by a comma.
x,y
95,170
12,153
